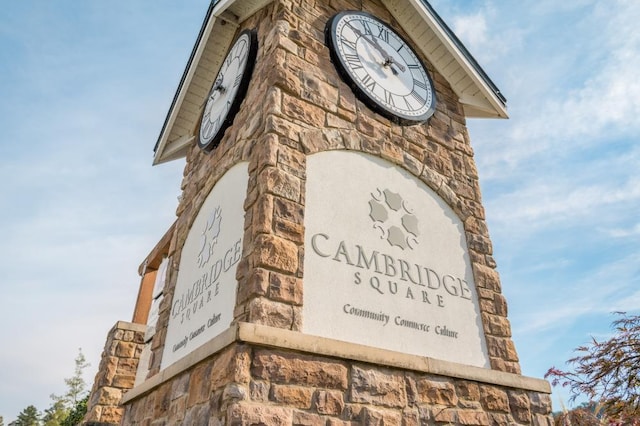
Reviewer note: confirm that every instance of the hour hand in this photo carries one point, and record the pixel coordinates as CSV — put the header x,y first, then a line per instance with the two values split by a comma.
x,y
373,42
388,59
218,85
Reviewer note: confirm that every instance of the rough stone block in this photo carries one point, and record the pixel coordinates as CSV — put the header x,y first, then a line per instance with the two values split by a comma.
x,y
200,384
372,386
329,402
285,288
476,418
253,414
300,111
468,390
317,140
376,417
292,161
280,367
276,253
232,365
271,313
109,396
486,277
123,381
494,399
296,396
302,418
519,404
125,349
281,183
437,392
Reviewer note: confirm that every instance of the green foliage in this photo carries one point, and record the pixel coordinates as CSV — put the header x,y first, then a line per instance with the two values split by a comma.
x,y
77,413
608,371
28,417
66,410
1,421
55,415
76,385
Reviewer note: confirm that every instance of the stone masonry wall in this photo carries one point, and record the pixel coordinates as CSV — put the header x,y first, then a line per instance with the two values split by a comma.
x,y
116,373
248,385
297,105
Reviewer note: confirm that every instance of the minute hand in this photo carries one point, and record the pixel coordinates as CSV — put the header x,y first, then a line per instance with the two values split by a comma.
x,y
388,59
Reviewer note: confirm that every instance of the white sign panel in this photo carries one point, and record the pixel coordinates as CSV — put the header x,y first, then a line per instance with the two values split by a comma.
x,y
205,293
386,262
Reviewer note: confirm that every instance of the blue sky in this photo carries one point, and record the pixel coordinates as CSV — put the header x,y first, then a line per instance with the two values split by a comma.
x,y
85,88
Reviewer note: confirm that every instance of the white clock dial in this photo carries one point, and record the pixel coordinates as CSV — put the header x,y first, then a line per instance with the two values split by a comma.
x,y
228,90
381,68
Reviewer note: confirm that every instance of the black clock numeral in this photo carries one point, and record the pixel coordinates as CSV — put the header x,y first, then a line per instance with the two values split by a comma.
x,y
367,28
383,35
417,97
420,84
237,80
242,50
353,61
413,66
406,101
368,82
207,129
348,43
388,98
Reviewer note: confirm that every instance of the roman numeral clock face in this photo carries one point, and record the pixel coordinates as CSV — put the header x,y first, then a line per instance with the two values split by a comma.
x,y
382,69
228,90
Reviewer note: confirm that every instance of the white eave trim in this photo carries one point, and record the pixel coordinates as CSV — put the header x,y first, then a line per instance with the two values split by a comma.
x,y
473,108
166,150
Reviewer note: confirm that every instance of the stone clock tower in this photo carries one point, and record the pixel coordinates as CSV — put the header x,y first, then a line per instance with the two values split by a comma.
x,y
330,263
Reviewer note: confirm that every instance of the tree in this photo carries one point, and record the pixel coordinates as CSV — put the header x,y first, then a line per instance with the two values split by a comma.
x,y
607,371
66,410
1,421
76,385
77,413
56,414
28,417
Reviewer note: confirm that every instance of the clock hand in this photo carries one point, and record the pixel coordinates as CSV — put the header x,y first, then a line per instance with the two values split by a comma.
x,y
218,85
388,59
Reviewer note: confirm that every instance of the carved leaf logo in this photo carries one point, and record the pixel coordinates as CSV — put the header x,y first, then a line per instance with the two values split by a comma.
x,y
209,237
394,219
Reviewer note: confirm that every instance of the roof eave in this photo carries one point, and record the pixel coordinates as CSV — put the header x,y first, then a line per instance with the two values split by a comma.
x,y
478,95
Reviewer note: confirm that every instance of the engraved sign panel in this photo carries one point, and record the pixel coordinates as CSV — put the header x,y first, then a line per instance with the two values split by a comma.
x,y
386,262
205,293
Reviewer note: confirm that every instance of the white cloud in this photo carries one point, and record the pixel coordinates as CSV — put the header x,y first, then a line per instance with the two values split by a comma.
x,y
612,287
632,231
560,202
605,105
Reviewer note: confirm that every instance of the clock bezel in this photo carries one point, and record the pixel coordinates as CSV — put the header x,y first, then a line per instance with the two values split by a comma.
x,y
240,93
360,91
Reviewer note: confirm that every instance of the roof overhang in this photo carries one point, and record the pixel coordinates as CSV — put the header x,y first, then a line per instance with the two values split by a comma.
x,y
430,34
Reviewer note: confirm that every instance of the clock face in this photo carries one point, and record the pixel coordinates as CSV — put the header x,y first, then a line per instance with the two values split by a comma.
x,y
228,90
381,68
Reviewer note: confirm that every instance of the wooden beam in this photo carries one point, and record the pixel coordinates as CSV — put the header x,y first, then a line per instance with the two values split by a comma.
x,y
159,252
145,294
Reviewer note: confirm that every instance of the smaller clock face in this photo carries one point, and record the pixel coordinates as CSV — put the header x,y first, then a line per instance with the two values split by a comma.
x,y
381,68
228,90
